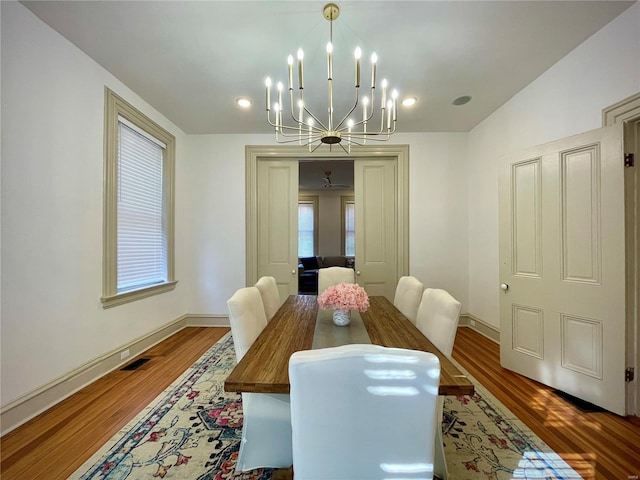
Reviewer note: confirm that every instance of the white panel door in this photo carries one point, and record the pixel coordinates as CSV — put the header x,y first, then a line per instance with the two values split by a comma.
x,y
277,186
376,226
562,243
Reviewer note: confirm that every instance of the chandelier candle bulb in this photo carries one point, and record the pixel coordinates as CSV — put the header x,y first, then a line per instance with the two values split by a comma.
x,y
394,96
279,112
389,107
374,60
365,102
383,103
290,63
357,54
300,57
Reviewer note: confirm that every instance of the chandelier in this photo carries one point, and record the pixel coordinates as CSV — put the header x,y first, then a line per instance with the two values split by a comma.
x,y
307,128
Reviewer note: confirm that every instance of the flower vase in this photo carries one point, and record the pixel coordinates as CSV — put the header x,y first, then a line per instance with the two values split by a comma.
x,y
342,317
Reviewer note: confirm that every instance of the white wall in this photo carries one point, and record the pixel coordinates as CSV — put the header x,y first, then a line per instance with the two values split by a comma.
x,y
52,201
438,211
566,100
329,219
216,218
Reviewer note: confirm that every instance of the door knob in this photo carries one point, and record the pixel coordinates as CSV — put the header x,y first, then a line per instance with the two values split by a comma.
x,y
293,272
504,287
357,272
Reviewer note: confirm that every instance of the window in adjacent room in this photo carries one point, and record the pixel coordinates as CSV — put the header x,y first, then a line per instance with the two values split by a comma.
x,y
138,233
307,226
348,225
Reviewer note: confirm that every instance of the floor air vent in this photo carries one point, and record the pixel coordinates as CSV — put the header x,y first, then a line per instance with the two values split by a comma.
x,y
135,364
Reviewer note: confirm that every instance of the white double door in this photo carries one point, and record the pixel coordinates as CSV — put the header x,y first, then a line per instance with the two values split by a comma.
x,y
562,266
376,224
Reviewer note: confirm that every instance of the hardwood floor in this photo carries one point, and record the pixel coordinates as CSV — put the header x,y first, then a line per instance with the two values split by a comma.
x,y
597,445
53,445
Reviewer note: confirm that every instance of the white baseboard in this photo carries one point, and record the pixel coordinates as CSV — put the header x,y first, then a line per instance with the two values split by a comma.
x,y
204,320
480,326
24,408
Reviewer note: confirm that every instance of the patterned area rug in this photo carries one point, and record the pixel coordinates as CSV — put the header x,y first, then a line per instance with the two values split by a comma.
x,y
192,431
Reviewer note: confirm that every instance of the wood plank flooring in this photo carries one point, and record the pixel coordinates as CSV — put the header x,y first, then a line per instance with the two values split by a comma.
x,y
53,445
597,445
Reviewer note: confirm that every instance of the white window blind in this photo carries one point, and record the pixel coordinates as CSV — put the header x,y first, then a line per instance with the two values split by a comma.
x,y
141,226
350,229
305,229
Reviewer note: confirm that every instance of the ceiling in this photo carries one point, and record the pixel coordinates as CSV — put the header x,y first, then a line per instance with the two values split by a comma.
x,y
192,59
312,174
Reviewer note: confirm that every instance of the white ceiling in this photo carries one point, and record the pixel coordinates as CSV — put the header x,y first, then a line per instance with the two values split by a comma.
x,y
313,172
192,59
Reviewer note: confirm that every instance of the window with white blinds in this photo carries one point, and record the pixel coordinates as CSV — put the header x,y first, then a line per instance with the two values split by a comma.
x,y
308,225
348,225
141,230
349,228
139,211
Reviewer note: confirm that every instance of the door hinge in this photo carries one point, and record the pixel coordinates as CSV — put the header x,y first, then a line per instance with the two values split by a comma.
x,y
629,374
628,160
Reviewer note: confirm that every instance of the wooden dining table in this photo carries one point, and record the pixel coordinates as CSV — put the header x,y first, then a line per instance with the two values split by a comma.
x,y
300,324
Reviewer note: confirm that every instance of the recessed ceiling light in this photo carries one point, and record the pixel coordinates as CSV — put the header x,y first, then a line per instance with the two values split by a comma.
x,y
409,101
244,102
462,100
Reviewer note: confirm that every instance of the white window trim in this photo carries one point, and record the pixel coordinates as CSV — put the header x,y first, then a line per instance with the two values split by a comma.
x,y
116,107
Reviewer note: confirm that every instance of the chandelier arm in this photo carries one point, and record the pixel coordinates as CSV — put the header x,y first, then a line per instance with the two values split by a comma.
x,y
371,113
350,111
373,103
355,141
297,120
298,134
314,148
330,104
288,139
269,119
377,138
315,118
347,151
281,127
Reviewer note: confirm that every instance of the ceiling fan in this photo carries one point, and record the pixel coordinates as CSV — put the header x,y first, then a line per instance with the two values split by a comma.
x,y
329,184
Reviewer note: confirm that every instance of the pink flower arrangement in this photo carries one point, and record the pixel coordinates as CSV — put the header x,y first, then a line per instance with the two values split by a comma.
x,y
344,296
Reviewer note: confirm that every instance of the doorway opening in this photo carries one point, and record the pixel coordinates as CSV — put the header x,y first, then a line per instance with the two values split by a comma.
x,y
268,253
326,219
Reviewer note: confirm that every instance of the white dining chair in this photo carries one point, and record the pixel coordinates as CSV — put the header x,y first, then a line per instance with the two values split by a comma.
x,y
270,296
334,275
408,296
363,412
246,317
266,424
437,319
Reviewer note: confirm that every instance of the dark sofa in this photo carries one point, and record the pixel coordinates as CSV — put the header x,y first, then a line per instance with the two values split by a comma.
x,y
308,270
